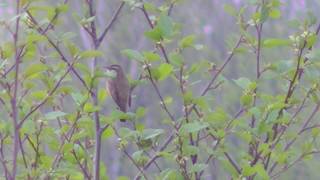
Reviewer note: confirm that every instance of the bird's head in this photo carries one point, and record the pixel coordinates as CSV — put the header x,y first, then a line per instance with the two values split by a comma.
x,y
114,70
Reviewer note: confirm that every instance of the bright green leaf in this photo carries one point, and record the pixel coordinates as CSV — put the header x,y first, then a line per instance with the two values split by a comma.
x,y
193,127
165,25
154,34
90,54
270,43
54,115
176,59
164,71
34,69
275,13
198,167
187,41
150,56
151,133
133,55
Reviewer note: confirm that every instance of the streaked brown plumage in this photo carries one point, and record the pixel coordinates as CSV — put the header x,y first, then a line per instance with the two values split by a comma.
x,y
119,88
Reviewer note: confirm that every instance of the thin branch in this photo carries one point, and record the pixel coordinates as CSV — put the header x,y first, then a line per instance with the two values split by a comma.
x,y
285,168
303,128
59,51
47,97
232,162
159,94
83,169
15,112
113,19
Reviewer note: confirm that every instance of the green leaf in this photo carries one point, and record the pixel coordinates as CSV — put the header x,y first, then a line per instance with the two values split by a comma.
x,y
218,117
168,100
245,135
151,133
85,21
165,25
150,7
89,108
264,13
68,35
151,57
243,82
201,102
107,133
102,94
154,34
54,115
170,174
247,170
33,38
315,132
116,115
39,95
189,150
176,58
133,55
275,13
270,43
164,71
226,165
311,40
246,100
220,133
78,98
198,167
90,54
67,147
187,41
34,69
193,127
46,161
261,171
139,158
72,48
123,178
126,132
140,112
230,9
62,8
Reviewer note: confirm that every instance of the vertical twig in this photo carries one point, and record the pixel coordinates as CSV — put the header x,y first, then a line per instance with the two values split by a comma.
x,y
15,112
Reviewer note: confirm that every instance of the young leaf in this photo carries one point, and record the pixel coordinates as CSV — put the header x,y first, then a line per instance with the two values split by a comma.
x,y
133,55
176,59
198,167
54,115
187,41
151,133
165,25
193,127
150,56
164,71
34,69
154,34
243,82
90,54
270,43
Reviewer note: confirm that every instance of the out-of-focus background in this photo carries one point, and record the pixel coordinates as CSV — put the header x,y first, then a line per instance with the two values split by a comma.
x,y
214,29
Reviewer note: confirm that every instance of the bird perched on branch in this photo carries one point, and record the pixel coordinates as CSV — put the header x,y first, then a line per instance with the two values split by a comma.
x,y
119,88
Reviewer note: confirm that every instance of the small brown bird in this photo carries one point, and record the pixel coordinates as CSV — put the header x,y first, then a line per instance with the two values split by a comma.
x,y
119,88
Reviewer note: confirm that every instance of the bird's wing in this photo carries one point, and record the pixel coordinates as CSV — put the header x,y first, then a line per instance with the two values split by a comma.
x,y
113,91
123,93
